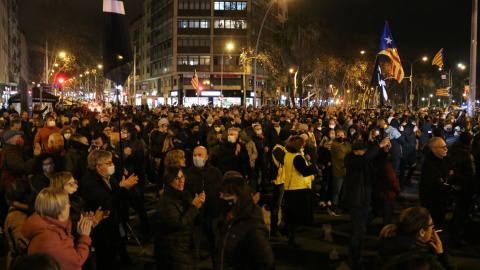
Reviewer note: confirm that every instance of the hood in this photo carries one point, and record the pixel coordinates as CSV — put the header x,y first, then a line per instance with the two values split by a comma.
x,y
36,225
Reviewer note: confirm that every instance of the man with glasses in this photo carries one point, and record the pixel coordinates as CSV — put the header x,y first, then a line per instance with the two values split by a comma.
x,y
434,184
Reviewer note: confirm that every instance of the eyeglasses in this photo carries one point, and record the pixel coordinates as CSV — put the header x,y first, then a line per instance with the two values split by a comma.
x,y
444,147
108,163
72,184
178,178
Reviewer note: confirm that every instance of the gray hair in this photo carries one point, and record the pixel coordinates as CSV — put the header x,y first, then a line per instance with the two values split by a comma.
x,y
234,129
97,157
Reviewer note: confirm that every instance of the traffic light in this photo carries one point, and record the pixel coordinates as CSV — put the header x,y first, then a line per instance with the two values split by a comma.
x,y
341,101
200,88
61,80
124,93
29,92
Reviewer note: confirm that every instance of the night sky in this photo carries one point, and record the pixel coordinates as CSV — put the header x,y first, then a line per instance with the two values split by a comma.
x,y
418,27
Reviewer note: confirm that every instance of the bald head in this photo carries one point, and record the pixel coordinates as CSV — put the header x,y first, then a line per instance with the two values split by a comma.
x,y
201,152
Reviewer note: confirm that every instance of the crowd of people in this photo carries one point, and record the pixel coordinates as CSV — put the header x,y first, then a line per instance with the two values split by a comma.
x,y
71,178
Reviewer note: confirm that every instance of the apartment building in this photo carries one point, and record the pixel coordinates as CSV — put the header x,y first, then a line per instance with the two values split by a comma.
x,y
175,38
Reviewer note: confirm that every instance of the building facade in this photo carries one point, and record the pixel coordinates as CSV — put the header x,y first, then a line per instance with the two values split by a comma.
x,y
13,52
176,38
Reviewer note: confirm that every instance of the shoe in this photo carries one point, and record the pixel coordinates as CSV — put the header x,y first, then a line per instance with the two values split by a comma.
x,y
332,213
322,204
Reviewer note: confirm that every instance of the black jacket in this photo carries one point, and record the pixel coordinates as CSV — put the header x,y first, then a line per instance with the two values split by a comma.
x,y
206,179
173,243
390,247
95,193
228,161
243,242
76,159
431,188
359,177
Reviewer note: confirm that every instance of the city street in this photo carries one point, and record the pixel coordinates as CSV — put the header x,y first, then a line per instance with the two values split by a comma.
x,y
326,242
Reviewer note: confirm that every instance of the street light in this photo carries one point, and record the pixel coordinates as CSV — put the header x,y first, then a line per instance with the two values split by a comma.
x,y
411,78
294,85
229,47
450,81
256,53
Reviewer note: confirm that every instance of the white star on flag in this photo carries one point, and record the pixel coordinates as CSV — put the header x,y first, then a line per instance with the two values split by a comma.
x,y
389,40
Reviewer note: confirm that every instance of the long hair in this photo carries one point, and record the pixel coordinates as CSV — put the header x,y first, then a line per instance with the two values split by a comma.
x,y
410,222
235,185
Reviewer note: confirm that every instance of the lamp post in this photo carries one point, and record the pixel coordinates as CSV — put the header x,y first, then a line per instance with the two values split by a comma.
x,y
294,84
450,81
229,47
256,53
411,78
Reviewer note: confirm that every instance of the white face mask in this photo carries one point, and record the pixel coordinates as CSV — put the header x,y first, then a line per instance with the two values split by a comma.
x,y
332,126
198,162
231,138
51,123
259,132
67,136
319,128
111,170
217,129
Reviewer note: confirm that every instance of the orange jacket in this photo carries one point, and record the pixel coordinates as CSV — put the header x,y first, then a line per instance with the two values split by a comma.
x,y
42,135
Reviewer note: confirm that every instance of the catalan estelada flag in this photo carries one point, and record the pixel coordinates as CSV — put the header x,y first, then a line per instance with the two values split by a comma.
x,y
438,59
195,81
388,48
444,92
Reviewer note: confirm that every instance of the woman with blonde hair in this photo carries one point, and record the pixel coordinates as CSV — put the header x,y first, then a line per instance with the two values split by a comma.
x,y
49,230
65,180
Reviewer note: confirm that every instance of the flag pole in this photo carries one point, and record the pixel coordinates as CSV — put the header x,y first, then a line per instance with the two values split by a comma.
x,y
473,59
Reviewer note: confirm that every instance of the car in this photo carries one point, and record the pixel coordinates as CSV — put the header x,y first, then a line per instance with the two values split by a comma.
x,y
94,107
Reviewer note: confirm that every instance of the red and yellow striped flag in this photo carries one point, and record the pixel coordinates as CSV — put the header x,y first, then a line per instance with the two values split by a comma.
x,y
438,59
195,81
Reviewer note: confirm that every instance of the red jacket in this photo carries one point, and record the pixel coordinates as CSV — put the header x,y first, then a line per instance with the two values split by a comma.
x,y
387,187
50,236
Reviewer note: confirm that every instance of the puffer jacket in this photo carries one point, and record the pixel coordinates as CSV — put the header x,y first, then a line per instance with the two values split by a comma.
x,y
50,236
173,243
243,242
392,246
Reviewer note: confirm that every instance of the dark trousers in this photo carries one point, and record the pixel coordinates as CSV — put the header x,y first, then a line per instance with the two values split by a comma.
x,y
108,250
463,203
137,202
438,210
358,219
385,209
278,191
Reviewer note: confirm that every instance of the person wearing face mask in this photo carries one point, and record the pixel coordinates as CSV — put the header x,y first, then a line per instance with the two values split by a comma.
x,y
132,153
339,149
44,169
203,177
325,160
100,188
233,155
41,137
260,162
242,241
12,165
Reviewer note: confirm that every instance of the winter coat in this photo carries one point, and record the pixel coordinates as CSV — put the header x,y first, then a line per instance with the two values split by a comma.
x,y
76,159
464,169
359,177
386,187
50,236
252,152
338,151
243,242
13,163
392,246
206,179
435,172
42,135
17,243
228,161
173,242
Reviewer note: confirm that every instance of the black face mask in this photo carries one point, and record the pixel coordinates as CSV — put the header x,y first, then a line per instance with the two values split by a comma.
x,y
226,205
339,139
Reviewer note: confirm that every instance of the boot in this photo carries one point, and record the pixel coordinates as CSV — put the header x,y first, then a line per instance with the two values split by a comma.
x,y
408,182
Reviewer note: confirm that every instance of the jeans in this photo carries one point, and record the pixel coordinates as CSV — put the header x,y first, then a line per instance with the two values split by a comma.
x,y
337,191
358,219
278,191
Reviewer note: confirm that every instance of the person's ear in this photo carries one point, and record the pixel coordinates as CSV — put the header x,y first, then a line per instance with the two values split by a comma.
x,y
422,232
